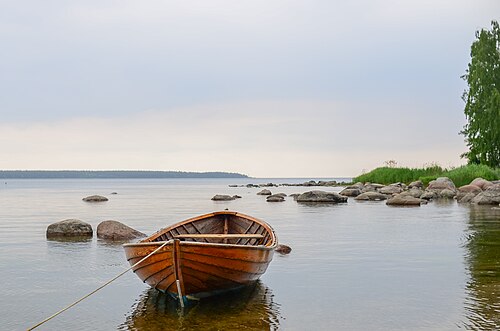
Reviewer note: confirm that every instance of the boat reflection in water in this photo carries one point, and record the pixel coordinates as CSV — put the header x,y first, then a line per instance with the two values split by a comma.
x,y
249,308
482,303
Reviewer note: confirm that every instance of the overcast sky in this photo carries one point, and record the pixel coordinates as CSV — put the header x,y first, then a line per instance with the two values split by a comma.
x,y
266,88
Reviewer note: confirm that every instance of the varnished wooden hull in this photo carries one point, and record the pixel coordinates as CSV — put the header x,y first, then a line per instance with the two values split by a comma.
x,y
198,269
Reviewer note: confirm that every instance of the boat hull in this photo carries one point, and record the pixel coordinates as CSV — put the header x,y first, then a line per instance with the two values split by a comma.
x,y
198,269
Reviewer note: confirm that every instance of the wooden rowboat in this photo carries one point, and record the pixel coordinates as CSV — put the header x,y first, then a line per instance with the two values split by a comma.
x,y
204,255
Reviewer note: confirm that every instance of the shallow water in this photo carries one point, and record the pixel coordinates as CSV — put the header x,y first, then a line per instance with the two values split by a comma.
x,y
354,266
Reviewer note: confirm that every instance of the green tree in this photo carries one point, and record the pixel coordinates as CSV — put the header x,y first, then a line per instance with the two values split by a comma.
x,y
482,99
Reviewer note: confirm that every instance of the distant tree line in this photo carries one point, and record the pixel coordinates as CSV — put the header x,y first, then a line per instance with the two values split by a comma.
x,y
8,174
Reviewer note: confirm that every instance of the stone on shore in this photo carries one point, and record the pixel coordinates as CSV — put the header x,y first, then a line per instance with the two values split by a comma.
x,y
264,192
95,198
275,198
467,192
417,184
69,228
447,194
283,249
391,189
442,183
413,192
223,197
403,200
483,184
114,230
490,196
371,196
321,196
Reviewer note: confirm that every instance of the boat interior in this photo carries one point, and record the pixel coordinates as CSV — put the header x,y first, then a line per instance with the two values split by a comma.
x,y
219,228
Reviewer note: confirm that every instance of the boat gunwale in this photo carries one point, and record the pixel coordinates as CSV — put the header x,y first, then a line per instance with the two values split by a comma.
x,y
148,241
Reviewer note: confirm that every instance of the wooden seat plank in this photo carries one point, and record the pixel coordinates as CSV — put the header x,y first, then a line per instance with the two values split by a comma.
x,y
219,235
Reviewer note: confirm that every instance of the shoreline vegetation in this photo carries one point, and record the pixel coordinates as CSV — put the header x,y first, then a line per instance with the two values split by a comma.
x,y
460,176
47,174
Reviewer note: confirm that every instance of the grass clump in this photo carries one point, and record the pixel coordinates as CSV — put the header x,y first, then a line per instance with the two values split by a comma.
x,y
460,176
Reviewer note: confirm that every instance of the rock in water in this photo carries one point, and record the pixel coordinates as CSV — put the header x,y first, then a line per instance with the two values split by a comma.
x,y
350,192
491,196
442,183
371,196
391,189
95,198
321,196
264,192
483,184
223,197
403,200
275,198
114,230
283,249
69,228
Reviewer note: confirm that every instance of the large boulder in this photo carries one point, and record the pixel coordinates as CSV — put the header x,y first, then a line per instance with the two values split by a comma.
x,y
442,183
391,189
403,200
223,197
483,184
350,192
321,196
114,230
95,198
491,196
467,192
264,192
69,228
371,196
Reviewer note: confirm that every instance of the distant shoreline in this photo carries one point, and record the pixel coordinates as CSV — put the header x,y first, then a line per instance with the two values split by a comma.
x,y
44,174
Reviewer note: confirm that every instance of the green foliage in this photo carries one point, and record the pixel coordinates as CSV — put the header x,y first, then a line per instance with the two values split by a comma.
x,y
466,174
386,175
460,176
482,99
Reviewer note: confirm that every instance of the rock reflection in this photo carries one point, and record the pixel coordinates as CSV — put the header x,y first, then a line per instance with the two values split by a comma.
x,y
482,303
251,308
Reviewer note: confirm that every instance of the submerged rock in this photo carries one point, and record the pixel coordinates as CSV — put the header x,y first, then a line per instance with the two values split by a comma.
x,y
321,196
264,192
275,198
69,228
283,249
95,198
114,230
223,197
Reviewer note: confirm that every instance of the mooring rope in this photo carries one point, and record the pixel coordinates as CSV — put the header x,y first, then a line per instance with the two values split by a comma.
x,y
97,289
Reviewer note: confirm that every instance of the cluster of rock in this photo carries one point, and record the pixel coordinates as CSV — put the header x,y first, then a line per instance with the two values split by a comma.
x,y
307,184
310,196
479,191
110,230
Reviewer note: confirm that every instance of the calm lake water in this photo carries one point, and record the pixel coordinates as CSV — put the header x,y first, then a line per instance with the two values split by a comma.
x,y
354,266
